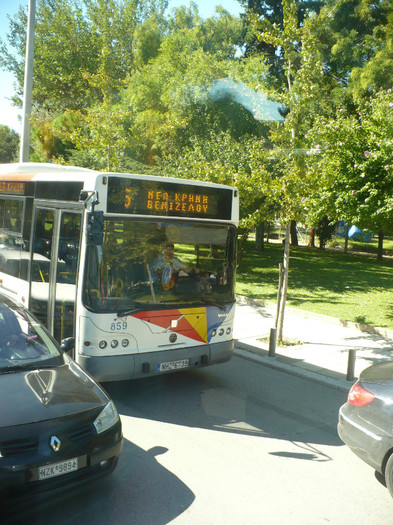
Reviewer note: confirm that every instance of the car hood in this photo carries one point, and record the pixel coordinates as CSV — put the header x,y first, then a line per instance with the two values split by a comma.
x,y
41,394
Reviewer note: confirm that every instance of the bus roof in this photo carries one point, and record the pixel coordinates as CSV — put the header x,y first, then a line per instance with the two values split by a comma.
x,y
34,171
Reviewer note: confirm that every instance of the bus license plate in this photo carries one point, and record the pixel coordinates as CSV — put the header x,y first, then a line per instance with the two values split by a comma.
x,y
57,469
173,365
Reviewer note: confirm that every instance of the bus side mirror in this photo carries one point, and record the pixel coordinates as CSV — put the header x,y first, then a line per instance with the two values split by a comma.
x,y
68,344
95,227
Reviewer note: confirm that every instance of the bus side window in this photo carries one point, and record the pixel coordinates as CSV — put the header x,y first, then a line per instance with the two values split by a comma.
x,y
23,269
2,207
10,262
92,292
13,215
43,234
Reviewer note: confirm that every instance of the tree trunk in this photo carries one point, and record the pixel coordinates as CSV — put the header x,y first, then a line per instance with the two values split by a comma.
x,y
259,236
279,292
268,232
346,239
294,239
280,322
380,245
311,238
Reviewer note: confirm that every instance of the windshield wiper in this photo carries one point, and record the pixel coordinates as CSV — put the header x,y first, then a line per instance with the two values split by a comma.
x,y
37,365
215,303
195,304
130,312
13,368
158,306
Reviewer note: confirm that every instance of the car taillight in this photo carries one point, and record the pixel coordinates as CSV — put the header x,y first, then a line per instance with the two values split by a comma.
x,y
359,396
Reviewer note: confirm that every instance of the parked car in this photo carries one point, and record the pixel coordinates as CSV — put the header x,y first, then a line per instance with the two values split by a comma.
x,y
57,425
365,420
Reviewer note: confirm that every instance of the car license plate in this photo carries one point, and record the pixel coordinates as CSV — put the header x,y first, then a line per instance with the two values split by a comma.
x,y
57,469
173,365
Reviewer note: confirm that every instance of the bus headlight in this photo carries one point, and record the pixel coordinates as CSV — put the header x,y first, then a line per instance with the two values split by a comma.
x,y
114,343
107,418
102,344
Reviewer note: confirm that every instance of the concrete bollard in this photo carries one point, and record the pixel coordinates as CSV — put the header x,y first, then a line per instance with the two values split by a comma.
x,y
272,342
351,365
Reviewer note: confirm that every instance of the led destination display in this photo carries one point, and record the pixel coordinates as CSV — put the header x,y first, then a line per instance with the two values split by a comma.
x,y
12,188
135,196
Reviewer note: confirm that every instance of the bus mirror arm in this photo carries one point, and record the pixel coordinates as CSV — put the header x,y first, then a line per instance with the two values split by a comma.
x,y
86,196
95,227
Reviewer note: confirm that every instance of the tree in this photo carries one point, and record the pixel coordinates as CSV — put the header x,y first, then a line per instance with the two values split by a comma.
x,y
76,40
302,82
359,50
352,156
169,100
9,144
84,51
273,12
123,62
223,159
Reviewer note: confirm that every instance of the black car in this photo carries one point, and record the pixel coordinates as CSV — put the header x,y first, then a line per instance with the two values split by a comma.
x,y
57,425
366,419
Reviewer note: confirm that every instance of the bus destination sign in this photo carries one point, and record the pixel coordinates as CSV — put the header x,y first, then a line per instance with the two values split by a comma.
x,y
136,196
13,188
188,203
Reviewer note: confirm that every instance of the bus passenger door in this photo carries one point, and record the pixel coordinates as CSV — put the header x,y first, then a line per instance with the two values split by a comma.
x,y
54,269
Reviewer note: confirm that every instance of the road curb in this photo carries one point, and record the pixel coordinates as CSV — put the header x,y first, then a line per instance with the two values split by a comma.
x,y
284,364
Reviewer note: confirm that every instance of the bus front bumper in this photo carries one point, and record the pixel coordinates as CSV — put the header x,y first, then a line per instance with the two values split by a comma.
x,y
133,366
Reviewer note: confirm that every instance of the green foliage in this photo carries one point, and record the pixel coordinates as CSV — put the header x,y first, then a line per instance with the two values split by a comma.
x,y
352,157
270,14
100,130
120,84
222,159
148,39
76,43
372,45
324,231
169,99
300,89
9,144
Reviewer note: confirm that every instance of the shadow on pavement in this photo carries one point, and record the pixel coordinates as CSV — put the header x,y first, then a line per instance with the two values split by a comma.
x,y
218,399
150,495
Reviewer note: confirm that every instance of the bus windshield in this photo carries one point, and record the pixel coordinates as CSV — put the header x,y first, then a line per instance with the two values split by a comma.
x,y
150,265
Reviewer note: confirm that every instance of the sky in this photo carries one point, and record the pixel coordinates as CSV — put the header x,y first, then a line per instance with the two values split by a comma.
x,y
8,113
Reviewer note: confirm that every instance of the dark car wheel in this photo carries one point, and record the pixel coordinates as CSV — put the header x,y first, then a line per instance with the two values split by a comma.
x,y
389,475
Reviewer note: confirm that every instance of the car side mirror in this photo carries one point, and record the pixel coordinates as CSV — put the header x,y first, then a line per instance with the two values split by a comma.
x,y
68,344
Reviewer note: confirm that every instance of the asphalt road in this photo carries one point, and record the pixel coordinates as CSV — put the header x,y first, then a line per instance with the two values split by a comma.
x,y
237,443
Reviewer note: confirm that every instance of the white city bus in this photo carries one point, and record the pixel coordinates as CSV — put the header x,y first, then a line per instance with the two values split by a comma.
x,y
91,255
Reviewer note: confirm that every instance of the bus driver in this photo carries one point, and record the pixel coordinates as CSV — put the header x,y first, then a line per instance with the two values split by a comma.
x,y
166,267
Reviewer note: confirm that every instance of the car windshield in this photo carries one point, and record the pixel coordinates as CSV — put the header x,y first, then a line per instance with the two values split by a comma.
x,y
159,264
23,342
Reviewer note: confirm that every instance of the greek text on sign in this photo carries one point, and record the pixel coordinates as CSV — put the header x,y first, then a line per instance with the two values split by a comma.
x,y
185,202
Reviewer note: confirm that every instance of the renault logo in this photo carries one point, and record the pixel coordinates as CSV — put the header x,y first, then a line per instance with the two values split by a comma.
x,y
55,443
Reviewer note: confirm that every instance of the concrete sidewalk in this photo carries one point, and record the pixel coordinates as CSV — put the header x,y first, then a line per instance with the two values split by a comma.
x,y
323,343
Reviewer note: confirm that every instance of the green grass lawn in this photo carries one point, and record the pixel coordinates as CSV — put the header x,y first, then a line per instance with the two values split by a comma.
x,y
352,287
